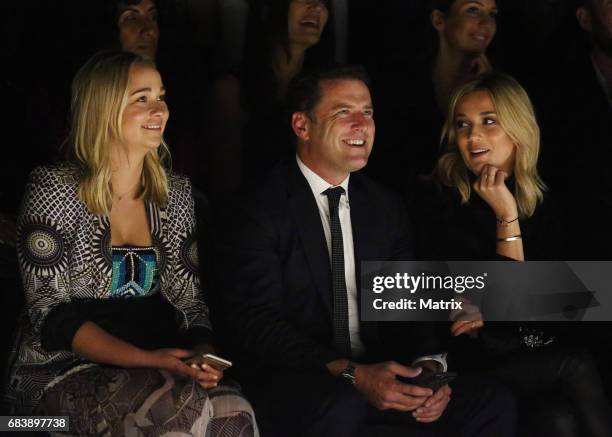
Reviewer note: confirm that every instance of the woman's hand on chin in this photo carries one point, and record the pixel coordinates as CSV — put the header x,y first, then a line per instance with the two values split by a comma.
x,y
491,186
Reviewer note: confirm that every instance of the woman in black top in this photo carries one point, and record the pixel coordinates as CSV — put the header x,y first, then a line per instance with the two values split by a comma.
x,y
497,161
492,147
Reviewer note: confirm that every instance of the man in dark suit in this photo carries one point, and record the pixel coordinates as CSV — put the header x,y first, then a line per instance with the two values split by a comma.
x,y
288,290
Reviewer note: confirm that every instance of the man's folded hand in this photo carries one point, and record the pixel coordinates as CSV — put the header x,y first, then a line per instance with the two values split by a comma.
x,y
378,384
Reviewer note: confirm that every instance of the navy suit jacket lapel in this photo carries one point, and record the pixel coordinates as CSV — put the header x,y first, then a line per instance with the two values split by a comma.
x,y
305,212
367,227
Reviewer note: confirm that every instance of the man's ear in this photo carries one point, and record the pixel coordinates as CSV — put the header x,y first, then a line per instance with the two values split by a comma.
x,y
437,20
299,124
583,15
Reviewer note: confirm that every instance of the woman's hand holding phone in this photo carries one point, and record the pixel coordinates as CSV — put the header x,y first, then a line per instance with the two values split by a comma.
x,y
211,365
187,363
209,376
172,360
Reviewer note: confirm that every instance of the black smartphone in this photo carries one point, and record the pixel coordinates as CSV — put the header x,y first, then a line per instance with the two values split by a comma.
x,y
429,379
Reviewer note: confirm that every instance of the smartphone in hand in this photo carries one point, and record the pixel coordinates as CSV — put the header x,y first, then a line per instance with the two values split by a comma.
x,y
429,379
212,360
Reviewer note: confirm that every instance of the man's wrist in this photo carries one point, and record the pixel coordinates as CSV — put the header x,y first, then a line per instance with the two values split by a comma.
x,y
348,374
345,369
336,367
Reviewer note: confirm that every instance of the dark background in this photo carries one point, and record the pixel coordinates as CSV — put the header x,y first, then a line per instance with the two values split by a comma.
x,y
44,42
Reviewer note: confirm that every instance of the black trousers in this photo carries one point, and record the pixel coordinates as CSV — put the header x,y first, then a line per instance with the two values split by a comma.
x,y
560,391
320,405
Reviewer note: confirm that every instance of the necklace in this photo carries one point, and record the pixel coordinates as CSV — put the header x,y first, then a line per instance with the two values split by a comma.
x,y
121,196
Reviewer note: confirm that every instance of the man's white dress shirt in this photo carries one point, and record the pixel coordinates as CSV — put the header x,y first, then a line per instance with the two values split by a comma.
x,y
318,186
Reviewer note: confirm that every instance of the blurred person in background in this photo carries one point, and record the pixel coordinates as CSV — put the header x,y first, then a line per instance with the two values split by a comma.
x,y
248,123
412,96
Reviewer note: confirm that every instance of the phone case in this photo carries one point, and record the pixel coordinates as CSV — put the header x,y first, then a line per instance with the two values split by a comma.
x,y
429,379
216,362
196,359
210,359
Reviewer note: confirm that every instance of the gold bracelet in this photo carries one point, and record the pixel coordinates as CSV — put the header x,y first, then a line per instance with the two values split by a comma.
x,y
512,238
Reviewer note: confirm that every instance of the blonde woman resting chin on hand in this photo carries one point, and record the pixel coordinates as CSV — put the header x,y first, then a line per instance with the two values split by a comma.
x,y
492,145
492,135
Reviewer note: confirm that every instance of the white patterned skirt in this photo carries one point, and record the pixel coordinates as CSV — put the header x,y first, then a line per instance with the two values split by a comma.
x,y
110,401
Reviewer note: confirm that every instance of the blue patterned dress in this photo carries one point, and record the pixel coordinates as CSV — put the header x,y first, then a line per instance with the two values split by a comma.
x,y
134,272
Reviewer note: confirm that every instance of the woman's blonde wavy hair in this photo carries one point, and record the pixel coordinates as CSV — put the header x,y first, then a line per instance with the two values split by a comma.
x,y
99,97
517,118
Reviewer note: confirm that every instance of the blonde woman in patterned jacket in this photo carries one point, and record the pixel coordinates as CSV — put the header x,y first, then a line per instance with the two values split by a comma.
x,y
109,263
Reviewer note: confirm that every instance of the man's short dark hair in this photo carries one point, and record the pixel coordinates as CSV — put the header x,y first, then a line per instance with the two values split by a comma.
x,y
305,89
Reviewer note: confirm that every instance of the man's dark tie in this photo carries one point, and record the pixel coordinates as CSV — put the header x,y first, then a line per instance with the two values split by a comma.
x,y
342,340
